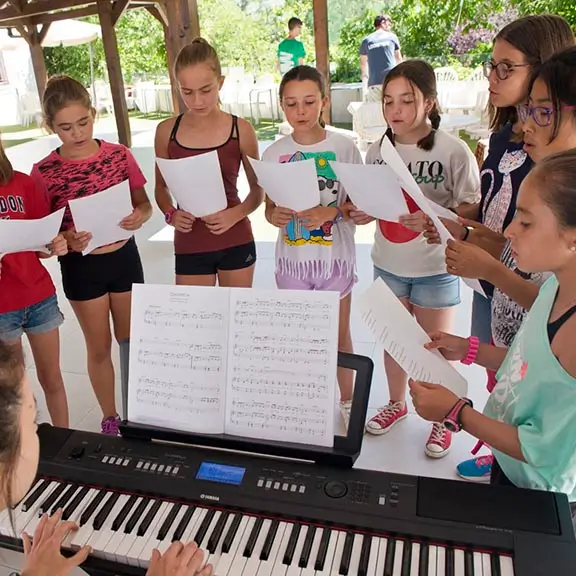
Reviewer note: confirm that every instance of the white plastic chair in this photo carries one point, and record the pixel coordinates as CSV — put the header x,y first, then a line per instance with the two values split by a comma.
x,y
264,93
446,74
477,75
368,122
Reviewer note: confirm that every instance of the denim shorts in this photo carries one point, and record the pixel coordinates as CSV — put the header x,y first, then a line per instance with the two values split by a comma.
x,y
36,319
436,292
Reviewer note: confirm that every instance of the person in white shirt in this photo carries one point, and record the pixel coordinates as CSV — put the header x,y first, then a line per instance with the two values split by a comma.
x,y
447,173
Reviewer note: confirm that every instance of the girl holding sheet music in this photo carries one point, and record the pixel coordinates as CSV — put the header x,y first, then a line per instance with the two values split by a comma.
x,y
28,303
447,173
218,248
98,285
315,248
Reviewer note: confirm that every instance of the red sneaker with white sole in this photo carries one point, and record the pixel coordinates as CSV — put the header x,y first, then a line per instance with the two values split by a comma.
x,y
439,441
387,416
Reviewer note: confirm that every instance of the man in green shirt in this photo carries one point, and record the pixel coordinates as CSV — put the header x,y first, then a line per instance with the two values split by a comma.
x,y
291,52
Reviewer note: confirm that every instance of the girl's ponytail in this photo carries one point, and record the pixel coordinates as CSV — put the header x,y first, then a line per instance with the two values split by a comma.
x,y
427,143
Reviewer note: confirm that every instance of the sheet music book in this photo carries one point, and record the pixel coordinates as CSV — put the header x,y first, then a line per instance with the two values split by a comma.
x,y
246,362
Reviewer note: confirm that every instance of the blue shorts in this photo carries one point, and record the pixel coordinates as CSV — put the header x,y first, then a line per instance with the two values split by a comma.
x,y
36,319
436,292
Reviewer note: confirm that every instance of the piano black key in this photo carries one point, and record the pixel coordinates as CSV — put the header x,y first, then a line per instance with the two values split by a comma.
x,y
185,520
406,558
307,547
105,511
201,532
365,555
449,561
251,542
291,546
168,521
75,502
322,549
64,499
136,515
469,563
495,564
229,538
217,532
128,505
346,553
47,504
145,524
424,558
268,543
90,509
35,495
390,553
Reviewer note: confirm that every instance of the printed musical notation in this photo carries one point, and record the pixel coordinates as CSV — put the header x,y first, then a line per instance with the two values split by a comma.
x,y
172,318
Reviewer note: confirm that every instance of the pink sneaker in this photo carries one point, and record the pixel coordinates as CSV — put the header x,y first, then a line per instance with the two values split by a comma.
x,y
439,441
387,416
110,425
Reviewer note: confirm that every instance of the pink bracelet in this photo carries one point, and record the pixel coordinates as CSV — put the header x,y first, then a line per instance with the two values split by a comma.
x,y
473,346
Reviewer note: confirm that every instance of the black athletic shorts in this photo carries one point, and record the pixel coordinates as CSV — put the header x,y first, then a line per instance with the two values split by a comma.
x,y
208,263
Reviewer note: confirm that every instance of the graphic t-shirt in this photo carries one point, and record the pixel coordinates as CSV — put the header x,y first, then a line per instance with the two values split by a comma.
x,y
504,169
507,314
448,176
290,51
536,395
63,179
306,253
23,280
379,47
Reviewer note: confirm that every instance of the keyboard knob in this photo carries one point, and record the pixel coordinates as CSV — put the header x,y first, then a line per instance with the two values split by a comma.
x,y
77,452
335,489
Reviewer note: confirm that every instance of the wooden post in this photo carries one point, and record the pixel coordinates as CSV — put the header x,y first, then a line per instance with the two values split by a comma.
x,y
320,10
34,37
105,13
192,20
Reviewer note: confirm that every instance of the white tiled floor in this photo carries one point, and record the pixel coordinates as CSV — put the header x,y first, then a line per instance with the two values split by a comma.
x,y
402,450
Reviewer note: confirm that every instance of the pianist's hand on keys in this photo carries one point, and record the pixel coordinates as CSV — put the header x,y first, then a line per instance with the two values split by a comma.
x,y
43,556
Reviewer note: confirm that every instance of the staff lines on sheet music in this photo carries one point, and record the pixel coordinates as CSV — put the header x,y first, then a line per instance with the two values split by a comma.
x,y
183,319
196,362
173,385
147,394
281,354
259,337
188,346
267,317
257,304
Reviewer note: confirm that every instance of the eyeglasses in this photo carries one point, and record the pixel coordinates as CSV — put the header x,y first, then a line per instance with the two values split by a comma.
x,y
542,115
502,69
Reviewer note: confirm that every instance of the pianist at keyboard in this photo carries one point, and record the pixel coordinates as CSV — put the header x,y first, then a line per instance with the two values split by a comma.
x,y
19,456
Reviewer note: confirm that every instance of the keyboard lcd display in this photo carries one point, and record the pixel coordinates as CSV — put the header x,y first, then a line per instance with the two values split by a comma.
x,y
221,473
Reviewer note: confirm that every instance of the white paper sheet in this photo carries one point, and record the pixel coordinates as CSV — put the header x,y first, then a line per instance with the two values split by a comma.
x,y
178,357
403,338
196,183
29,235
373,188
292,185
283,354
101,214
444,212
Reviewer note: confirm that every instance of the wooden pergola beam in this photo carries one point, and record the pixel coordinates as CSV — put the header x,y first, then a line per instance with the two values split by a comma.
x,y
118,9
38,8
34,37
320,11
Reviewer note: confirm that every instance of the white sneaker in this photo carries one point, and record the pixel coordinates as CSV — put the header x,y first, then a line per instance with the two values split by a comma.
x,y
345,409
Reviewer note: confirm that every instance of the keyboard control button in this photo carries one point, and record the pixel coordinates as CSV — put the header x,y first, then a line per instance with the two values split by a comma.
x,y
112,460
175,470
268,484
153,467
302,489
168,469
276,485
260,482
285,487
161,468
126,462
105,460
139,465
293,488
147,466
382,500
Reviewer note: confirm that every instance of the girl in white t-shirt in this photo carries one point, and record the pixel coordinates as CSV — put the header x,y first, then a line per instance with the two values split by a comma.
x,y
315,248
415,271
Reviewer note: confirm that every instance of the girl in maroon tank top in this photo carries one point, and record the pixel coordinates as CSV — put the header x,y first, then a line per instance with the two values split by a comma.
x,y
218,248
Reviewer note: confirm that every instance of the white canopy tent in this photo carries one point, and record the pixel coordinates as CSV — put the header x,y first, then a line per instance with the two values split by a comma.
x,y
60,33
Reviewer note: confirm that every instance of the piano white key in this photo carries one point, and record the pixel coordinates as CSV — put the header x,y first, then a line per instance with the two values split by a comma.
x,y
75,516
215,558
274,564
415,561
5,526
221,569
441,561
398,555
458,562
486,566
128,541
251,568
204,544
135,552
478,570
17,511
118,535
382,556
100,538
194,524
152,542
506,566
83,535
28,521
238,559
165,544
356,552
330,553
337,556
433,561
373,558
293,568
309,570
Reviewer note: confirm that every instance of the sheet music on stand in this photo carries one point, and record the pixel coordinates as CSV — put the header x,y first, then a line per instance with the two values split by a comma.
x,y
246,362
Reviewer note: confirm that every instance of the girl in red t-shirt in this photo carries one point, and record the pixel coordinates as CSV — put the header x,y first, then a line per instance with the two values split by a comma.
x,y
28,303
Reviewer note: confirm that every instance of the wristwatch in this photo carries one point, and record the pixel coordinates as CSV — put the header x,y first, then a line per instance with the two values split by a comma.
x,y
169,215
452,419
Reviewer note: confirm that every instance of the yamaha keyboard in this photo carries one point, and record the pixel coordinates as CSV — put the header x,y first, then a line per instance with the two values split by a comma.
x,y
259,516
